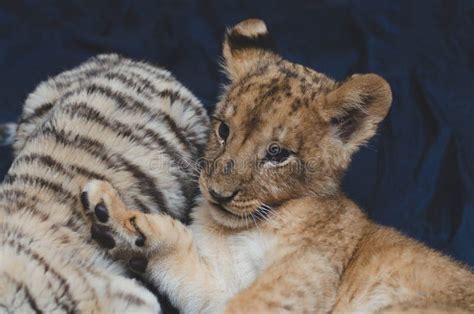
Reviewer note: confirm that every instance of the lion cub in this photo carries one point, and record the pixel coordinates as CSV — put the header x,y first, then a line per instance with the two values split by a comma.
x,y
274,233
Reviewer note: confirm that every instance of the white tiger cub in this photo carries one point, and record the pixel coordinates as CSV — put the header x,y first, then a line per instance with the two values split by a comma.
x,y
114,119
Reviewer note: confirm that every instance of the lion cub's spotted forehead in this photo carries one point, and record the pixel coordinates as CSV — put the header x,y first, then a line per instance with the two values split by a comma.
x,y
274,98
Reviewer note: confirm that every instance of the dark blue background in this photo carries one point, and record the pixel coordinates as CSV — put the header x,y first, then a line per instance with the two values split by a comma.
x,y
416,175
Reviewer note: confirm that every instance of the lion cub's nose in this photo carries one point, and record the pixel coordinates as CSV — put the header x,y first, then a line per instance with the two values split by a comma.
x,y
222,198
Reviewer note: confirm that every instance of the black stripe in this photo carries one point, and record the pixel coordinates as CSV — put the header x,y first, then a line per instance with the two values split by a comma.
x,y
140,84
237,41
91,68
133,72
13,200
128,298
63,168
19,200
176,95
142,88
8,194
44,217
39,111
31,301
146,184
88,173
45,160
29,208
127,102
169,150
62,195
142,207
42,183
188,189
179,133
66,82
154,71
29,298
69,307
90,114
89,288
75,222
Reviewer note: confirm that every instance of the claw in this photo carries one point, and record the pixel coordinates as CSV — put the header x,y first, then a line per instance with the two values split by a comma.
x,y
140,241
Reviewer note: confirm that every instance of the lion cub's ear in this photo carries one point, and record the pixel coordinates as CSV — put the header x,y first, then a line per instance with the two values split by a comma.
x,y
356,107
245,45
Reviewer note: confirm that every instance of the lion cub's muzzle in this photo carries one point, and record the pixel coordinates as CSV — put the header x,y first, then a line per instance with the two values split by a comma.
x,y
222,198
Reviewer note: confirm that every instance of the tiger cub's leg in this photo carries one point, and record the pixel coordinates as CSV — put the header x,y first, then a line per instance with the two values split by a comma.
x,y
158,246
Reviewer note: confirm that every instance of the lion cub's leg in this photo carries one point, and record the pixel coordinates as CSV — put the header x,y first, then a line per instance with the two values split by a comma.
x,y
423,308
168,256
301,282
120,229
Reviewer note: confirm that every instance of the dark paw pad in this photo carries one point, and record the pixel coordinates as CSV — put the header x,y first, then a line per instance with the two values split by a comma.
x,y
138,264
101,212
101,236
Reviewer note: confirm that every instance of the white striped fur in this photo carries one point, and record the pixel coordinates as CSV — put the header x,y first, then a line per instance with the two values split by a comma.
x,y
127,122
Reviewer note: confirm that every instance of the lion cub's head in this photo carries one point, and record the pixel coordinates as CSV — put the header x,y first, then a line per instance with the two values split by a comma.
x,y
281,130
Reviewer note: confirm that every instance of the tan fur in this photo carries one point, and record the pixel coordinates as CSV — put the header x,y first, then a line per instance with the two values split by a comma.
x,y
288,240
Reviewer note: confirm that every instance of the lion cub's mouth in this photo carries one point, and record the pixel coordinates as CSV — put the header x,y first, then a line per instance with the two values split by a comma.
x,y
227,211
260,213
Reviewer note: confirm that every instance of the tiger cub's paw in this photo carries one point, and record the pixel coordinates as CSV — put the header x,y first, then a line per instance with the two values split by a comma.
x,y
113,224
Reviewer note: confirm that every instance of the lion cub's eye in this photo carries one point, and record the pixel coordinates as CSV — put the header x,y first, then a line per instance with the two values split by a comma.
x,y
223,131
277,155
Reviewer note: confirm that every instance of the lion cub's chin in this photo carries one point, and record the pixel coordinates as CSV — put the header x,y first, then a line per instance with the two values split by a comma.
x,y
226,218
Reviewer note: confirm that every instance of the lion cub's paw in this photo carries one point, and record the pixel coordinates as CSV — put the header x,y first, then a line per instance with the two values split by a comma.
x,y
114,226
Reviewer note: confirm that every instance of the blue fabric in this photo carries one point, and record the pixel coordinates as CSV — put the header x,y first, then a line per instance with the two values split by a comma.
x,y
416,175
